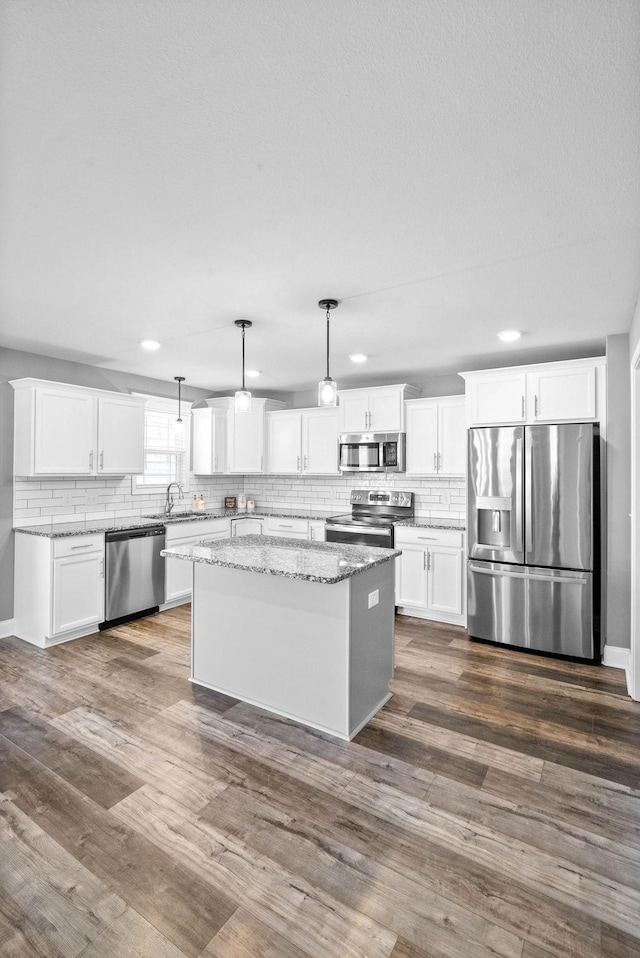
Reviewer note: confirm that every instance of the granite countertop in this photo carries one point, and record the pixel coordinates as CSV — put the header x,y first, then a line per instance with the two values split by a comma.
x,y
326,562
57,530
455,524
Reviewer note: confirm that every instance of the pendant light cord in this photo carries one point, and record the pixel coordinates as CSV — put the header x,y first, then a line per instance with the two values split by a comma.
x,y
243,358
328,314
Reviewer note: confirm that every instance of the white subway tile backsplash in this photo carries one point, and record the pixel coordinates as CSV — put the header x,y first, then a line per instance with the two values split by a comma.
x,y
40,500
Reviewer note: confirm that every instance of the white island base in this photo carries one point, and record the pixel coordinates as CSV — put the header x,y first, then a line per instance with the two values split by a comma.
x,y
311,651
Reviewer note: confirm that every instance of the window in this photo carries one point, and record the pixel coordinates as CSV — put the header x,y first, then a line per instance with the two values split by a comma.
x,y
165,445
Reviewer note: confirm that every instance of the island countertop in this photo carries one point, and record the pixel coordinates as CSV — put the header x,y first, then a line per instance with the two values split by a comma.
x,y
326,562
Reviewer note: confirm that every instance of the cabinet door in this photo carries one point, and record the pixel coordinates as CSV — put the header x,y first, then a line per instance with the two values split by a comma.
x,y
497,399
65,433
246,439
78,592
452,437
120,436
207,441
253,527
422,437
284,455
354,410
412,588
562,394
320,442
444,578
386,407
178,574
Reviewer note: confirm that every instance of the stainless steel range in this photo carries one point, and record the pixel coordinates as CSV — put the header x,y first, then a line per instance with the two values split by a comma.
x,y
371,522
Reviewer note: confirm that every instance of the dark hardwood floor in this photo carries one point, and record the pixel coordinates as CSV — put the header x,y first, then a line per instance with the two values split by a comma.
x,y
492,808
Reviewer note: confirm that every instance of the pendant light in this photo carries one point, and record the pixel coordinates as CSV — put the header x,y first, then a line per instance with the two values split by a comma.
x,y
327,388
243,396
179,380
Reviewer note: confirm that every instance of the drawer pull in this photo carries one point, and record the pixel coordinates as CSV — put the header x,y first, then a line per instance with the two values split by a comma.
x,y
87,545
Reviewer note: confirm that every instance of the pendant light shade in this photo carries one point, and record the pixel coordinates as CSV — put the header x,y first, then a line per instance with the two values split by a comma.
x,y
243,396
327,388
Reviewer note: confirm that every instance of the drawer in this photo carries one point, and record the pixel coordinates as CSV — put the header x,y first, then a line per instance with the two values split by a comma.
x,y
198,527
286,526
78,545
412,535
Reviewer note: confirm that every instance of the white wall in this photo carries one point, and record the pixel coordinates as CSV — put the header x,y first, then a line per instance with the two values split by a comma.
x,y
618,588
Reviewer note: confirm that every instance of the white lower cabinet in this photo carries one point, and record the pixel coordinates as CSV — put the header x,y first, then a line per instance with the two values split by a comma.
x,y
59,587
78,592
286,528
247,526
430,576
178,574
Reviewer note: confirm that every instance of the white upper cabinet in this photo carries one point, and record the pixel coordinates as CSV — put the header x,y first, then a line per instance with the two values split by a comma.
x,y
436,436
379,409
208,433
563,393
551,392
120,435
223,441
302,442
65,430
320,442
284,442
55,432
245,438
498,398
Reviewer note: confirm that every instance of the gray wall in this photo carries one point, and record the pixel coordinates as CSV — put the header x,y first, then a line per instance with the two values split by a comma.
x,y
618,590
19,365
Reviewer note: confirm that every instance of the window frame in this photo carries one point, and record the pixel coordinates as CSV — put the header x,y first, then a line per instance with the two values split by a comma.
x,y
169,406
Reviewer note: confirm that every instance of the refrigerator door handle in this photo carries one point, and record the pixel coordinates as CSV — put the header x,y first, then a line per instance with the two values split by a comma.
x,y
517,496
528,497
578,579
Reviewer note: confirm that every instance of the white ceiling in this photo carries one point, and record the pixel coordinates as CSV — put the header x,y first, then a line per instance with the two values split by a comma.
x,y
445,168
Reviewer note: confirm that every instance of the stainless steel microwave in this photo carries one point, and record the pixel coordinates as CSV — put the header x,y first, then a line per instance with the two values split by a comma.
x,y
372,452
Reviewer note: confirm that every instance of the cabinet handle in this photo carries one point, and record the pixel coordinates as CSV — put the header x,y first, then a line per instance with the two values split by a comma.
x,y
102,568
428,538
283,526
91,459
523,407
304,465
298,461
424,560
435,462
428,561
439,461
535,412
87,545
101,460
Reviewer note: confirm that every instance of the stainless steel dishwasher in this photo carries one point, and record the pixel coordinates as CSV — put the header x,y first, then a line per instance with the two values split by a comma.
x,y
134,573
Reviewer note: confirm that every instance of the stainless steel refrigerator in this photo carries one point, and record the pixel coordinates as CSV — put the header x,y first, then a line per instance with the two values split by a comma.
x,y
533,538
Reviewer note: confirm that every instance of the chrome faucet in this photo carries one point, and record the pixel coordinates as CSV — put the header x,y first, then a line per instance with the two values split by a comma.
x,y
169,502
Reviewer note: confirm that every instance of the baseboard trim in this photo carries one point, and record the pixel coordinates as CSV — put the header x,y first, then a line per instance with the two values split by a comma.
x,y
7,628
616,657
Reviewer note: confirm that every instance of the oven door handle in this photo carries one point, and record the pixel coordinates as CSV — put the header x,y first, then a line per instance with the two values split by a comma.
x,y
359,530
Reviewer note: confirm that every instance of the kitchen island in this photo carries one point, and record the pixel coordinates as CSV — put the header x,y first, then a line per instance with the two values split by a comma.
x,y
302,629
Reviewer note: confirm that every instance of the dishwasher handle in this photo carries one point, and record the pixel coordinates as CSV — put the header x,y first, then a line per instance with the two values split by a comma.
x,y
122,534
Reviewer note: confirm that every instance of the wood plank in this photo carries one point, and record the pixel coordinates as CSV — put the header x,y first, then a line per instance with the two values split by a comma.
x,y
130,936
246,936
55,900
103,781
185,909
293,908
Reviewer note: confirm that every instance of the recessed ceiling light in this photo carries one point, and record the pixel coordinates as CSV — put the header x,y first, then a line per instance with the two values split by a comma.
x,y
358,358
509,335
150,344
252,373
